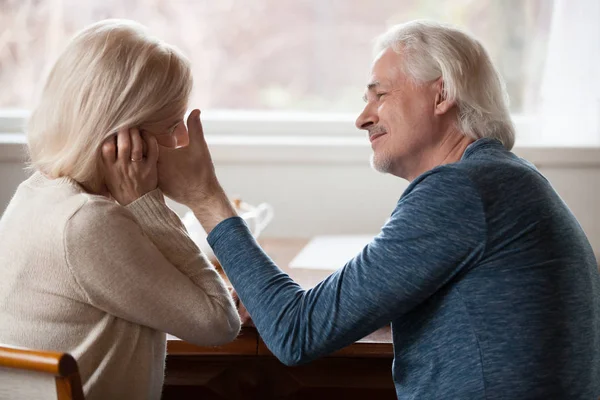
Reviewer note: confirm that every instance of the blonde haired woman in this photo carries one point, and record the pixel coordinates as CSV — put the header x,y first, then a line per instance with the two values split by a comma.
x,y
99,277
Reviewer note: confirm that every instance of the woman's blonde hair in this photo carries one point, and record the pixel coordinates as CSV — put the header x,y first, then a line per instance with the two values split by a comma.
x,y
112,75
434,50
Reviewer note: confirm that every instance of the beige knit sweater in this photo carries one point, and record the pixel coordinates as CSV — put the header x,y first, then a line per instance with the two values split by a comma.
x,y
82,274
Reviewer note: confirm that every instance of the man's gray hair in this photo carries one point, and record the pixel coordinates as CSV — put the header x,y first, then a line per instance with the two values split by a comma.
x,y
432,50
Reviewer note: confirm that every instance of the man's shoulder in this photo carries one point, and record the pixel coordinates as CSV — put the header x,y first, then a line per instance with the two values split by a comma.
x,y
447,178
480,175
446,188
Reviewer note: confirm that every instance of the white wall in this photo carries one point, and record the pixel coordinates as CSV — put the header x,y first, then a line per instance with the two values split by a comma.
x,y
580,189
317,190
11,174
316,199
335,199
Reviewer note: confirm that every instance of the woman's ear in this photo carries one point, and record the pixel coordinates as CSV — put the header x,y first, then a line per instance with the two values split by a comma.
x,y
442,103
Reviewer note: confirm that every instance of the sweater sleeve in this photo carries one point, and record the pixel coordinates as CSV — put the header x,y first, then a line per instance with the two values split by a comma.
x,y
436,232
155,277
165,229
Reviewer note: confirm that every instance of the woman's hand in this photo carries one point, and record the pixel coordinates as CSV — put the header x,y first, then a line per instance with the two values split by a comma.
x,y
243,313
128,172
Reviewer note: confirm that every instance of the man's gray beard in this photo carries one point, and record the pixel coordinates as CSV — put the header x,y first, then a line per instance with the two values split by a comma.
x,y
381,164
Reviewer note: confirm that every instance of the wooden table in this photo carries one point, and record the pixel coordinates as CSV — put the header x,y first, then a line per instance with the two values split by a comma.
x,y
246,369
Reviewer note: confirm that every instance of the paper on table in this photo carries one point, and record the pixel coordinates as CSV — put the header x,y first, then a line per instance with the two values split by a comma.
x,y
330,251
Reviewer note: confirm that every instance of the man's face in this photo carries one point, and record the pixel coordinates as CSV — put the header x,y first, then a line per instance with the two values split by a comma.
x,y
398,115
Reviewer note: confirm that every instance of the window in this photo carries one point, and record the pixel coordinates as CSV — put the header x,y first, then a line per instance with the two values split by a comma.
x,y
307,61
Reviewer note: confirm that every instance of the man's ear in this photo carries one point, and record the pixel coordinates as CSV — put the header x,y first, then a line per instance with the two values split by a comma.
x,y
442,103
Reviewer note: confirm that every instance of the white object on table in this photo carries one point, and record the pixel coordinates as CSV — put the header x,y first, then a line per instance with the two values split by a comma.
x,y
330,252
257,218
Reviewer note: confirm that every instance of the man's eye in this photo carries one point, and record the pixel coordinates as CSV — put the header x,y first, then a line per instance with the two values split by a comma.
x,y
379,95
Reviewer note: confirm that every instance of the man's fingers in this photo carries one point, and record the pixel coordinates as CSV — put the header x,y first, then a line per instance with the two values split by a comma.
x,y
137,145
195,132
123,145
164,152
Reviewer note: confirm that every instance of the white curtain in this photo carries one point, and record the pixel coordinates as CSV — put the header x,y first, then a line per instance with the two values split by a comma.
x,y
570,92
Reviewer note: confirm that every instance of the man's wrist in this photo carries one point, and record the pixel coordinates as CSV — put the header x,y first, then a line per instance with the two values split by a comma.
x,y
210,211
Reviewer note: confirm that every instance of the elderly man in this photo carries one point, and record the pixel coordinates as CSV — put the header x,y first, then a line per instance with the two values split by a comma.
x,y
489,282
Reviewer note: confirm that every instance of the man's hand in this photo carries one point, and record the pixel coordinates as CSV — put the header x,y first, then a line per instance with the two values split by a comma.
x,y
128,172
187,175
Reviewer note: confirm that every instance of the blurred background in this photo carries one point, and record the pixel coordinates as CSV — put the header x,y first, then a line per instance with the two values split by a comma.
x,y
280,83
308,55
313,55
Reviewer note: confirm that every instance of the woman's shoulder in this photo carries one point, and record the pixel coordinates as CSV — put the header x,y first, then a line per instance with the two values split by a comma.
x,y
98,211
65,197
97,223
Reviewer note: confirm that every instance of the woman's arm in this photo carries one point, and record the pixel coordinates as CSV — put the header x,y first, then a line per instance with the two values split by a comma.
x,y
137,262
121,271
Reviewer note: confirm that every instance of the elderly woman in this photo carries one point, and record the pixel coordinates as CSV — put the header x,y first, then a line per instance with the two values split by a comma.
x,y
100,272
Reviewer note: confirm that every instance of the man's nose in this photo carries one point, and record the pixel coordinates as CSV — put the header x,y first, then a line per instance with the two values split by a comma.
x,y
367,118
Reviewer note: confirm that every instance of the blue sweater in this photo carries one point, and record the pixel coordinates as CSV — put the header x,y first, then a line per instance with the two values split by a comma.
x,y
488,280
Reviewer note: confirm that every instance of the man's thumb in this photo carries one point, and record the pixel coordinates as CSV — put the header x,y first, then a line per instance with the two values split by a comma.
x,y
194,126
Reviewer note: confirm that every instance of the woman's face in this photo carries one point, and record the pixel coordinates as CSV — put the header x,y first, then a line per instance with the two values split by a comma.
x,y
172,133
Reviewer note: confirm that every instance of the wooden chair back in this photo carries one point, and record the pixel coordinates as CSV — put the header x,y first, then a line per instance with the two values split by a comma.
x,y
29,374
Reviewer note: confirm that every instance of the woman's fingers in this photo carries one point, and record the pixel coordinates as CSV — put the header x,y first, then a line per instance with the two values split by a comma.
x,y
128,174
151,147
137,145
109,150
123,145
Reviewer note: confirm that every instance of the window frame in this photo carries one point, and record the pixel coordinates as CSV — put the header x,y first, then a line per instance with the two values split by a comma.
x,y
299,138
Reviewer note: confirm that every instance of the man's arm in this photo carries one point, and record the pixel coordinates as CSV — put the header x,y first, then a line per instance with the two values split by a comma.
x,y
436,232
213,210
